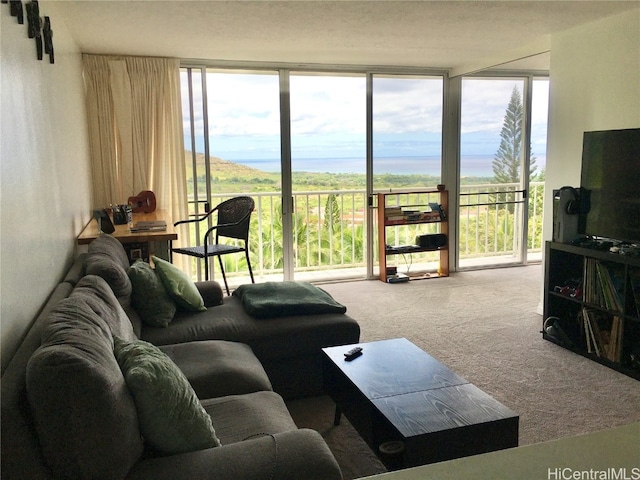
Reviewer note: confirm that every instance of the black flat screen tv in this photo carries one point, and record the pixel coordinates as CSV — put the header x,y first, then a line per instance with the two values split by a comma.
x,y
610,185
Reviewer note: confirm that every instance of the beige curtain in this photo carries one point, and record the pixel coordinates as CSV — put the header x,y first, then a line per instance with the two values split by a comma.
x,y
135,131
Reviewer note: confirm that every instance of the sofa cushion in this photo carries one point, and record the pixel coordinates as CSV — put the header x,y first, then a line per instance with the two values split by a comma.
x,y
216,368
293,455
281,338
107,258
21,452
114,274
242,417
96,293
149,297
211,292
181,288
135,319
171,417
111,247
84,415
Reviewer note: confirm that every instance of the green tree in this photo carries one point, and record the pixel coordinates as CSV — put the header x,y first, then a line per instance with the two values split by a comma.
x,y
331,213
507,161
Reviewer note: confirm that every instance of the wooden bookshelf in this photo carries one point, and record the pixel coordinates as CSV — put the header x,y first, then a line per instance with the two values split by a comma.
x,y
394,212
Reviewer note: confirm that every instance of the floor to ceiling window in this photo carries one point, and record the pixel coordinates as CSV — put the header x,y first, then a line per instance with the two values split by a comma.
x,y
407,152
407,131
500,192
232,142
312,148
328,165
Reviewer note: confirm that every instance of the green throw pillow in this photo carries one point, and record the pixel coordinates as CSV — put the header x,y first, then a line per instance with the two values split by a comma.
x,y
149,297
180,287
172,419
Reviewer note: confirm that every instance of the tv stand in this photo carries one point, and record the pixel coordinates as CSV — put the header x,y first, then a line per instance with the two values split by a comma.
x,y
592,304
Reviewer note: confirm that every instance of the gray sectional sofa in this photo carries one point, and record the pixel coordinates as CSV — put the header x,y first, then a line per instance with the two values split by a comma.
x,y
70,411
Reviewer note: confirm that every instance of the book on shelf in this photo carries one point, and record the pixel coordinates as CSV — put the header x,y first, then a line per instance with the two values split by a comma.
x,y
606,343
149,226
613,286
436,207
393,213
432,216
603,285
592,331
588,334
411,217
392,210
615,341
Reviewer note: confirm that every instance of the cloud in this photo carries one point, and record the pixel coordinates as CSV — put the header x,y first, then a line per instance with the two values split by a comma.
x,y
329,111
324,105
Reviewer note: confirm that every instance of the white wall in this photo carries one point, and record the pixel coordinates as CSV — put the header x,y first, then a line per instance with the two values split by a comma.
x,y
44,172
594,85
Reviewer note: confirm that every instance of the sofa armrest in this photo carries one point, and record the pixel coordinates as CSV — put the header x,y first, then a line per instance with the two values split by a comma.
x,y
211,292
284,456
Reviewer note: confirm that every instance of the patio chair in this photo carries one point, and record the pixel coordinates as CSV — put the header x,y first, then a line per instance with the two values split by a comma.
x,y
233,219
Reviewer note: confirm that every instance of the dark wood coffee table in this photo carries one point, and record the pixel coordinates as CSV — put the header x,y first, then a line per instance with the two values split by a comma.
x,y
412,410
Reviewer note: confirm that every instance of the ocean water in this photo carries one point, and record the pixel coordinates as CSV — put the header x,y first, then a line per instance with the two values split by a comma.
x,y
471,166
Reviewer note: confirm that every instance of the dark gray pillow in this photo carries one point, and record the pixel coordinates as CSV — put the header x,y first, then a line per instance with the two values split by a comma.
x,y
149,298
172,420
112,273
107,258
97,294
111,247
84,415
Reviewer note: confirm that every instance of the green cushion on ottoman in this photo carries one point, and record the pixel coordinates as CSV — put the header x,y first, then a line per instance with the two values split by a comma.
x,y
281,299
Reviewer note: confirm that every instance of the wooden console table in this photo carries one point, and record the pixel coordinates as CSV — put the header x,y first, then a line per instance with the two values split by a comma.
x,y
141,244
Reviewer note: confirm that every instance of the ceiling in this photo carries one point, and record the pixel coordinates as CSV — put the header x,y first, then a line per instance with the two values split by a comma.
x,y
460,36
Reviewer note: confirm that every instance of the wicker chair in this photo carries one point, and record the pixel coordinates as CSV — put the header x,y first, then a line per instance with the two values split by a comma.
x,y
233,219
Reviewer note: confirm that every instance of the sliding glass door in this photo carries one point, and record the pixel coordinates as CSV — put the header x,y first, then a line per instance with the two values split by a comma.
x,y
328,174
232,147
407,152
498,169
312,148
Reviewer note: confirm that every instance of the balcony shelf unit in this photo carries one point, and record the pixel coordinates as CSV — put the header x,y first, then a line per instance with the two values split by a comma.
x,y
393,212
593,298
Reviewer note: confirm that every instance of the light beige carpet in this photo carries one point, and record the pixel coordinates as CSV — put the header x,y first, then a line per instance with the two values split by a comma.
x,y
484,326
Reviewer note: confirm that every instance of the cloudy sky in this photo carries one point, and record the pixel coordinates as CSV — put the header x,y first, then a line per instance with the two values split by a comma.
x,y
328,118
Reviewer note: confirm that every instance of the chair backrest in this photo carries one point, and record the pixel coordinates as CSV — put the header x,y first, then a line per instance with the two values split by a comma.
x,y
234,210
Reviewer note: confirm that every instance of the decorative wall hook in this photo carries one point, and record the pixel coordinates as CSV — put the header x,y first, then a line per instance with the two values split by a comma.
x,y
47,33
16,10
38,28
33,18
